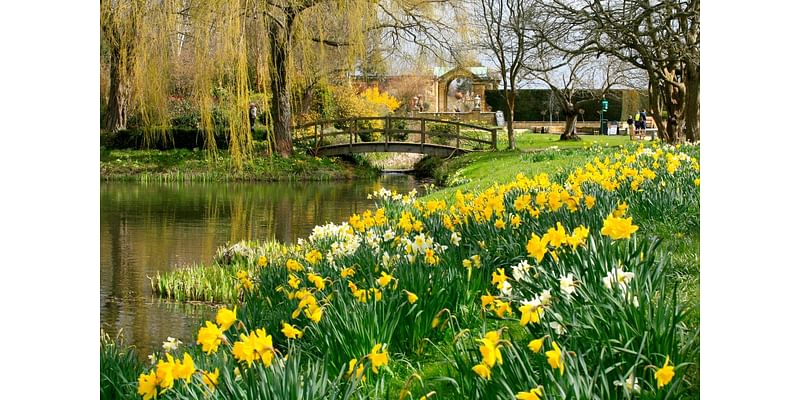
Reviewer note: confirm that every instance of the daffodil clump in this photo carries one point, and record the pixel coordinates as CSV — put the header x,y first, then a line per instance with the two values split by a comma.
x,y
554,270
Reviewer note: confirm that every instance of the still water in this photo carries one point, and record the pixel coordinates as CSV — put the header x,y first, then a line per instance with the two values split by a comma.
x,y
145,228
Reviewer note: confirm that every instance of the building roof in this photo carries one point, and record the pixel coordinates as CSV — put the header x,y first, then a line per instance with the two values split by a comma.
x,y
481,72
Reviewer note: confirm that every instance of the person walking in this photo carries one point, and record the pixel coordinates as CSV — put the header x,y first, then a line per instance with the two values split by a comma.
x,y
631,128
253,115
642,123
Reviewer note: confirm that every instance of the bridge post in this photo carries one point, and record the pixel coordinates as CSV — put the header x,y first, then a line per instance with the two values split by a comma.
x,y
386,134
494,139
422,136
351,133
458,137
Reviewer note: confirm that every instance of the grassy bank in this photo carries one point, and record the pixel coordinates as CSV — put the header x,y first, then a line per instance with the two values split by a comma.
x,y
349,289
188,165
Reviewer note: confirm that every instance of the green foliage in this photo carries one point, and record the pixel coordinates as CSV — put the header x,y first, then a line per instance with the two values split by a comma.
x,y
185,165
608,331
119,368
529,103
436,128
428,166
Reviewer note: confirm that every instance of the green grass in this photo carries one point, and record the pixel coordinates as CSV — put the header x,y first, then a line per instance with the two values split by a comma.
x,y
188,165
670,213
477,171
529,141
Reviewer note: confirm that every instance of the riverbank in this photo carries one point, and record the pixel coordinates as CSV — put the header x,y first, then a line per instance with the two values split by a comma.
x,y
490,262
195,165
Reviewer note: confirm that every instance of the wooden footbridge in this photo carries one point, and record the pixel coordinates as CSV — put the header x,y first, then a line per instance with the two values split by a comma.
x,y
394,134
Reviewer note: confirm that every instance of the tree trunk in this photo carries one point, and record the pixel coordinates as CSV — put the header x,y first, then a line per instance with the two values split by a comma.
x,y
571,126
693,103
512,142
656,101
119,94
281,106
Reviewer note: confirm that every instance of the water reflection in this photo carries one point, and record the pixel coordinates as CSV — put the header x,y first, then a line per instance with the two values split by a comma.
x,y
145,228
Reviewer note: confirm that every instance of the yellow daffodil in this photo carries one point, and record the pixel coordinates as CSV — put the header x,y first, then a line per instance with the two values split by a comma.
x,y
226,318
317,280
501,308
536,344
165,372
314,313
291,332
378,358
664,374
184,369
384,279
412,298
486,300
257,345
347,272
556,236
499,278
209,337
211,379
313,257
618,228
359,370
148,386
621,210
533,394
293,265
490,352
530,313
499,224
516,221
483,371
536,247
294,281
554,358
262,261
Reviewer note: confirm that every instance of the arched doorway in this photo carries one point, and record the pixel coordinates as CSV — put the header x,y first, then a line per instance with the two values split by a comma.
x,y
459,87
460,95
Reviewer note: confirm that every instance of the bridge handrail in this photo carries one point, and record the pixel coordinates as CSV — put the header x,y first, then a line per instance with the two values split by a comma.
x,y
387,131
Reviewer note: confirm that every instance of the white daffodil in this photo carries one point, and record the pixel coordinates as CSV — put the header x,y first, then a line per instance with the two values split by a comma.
x,y
388,235
545,297
171,344
455,238
520,271
558,328
506,288
631,384
618,276
567,284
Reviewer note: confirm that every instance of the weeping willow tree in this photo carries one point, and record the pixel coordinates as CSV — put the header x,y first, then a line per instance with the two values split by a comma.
x,y
137,34
239,47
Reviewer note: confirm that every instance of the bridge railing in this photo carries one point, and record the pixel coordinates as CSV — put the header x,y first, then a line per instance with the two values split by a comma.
x,y
355,127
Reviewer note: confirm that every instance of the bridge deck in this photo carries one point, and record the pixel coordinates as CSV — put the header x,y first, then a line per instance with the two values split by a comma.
x,y
398,147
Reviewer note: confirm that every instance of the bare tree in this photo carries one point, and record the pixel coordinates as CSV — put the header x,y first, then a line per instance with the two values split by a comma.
x,y
575,81
661,38
500,27
397,21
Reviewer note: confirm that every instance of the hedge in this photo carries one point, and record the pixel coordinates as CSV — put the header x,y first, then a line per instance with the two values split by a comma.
x,y
530,103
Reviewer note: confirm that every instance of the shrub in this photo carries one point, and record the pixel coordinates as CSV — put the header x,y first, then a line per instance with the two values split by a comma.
x,y
441,128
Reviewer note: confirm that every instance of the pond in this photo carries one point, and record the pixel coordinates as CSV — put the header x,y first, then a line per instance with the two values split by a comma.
x,y
146,228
